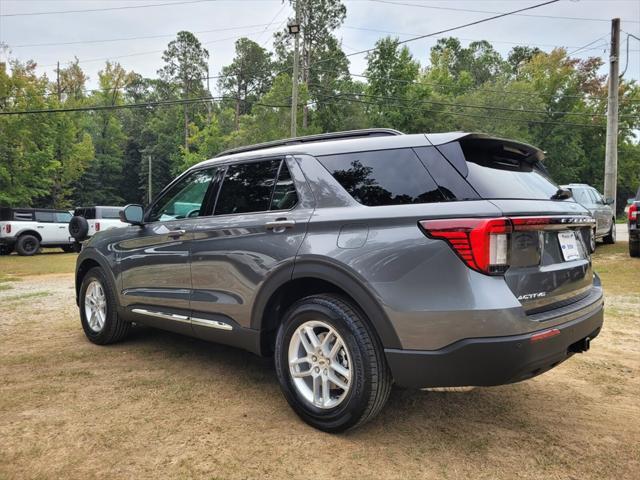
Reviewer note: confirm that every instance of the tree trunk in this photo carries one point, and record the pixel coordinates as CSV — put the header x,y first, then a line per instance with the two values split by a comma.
x,y
238,106
305,80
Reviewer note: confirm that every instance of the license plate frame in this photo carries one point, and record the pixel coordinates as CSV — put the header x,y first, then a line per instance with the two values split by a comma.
x,y
569,245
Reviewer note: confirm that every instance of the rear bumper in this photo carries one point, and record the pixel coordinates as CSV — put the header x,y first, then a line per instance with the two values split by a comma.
x,y
7,241
495,360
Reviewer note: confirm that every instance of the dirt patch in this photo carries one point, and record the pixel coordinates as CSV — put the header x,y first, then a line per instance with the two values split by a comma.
x,y
163,405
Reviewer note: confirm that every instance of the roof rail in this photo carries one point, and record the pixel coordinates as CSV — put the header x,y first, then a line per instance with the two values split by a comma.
x,y
320,137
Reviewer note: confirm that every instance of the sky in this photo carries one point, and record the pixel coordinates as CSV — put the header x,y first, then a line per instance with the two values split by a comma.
x,y
95,36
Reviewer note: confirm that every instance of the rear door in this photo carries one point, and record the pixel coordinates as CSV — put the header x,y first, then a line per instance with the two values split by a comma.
x,y
259,221
548,260
154,259
46,227
61,221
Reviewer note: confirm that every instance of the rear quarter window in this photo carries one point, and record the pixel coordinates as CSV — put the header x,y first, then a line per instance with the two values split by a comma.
x,y
384,177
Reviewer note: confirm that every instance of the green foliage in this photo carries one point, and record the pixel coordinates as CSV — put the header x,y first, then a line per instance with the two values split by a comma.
x,y
66,159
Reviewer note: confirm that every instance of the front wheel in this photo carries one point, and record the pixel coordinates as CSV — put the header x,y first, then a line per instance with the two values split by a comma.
x,y
611,236
98,310
330,365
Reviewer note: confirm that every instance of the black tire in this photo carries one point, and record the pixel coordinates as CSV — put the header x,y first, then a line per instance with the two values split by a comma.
x,y
114,328
610,238
371,379
27,245
78,228
634,248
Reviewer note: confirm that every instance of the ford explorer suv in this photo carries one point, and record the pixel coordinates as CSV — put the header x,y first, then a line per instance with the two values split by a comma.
x,y
25,230
358,259
600,209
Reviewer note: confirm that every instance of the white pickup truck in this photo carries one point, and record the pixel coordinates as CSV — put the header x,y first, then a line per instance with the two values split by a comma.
x,y
25,230
87,221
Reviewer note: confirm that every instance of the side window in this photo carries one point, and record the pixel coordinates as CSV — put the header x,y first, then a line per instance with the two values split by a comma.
x,y
385,177
44,216
451,184
593,196
62,217
284,195
107,212
184,199
247,187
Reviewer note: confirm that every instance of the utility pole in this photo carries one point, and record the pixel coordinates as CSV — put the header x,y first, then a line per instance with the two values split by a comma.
x,y
294,29
58,82
611,155
150,187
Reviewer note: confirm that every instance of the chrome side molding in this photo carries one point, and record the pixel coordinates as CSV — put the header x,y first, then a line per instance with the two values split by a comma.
x,y
184,319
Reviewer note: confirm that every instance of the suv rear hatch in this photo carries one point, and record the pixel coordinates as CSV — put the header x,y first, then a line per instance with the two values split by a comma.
x,y
542,245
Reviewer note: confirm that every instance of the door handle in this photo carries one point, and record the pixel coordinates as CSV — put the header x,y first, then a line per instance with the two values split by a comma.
x,y
40,226
280,225
176,233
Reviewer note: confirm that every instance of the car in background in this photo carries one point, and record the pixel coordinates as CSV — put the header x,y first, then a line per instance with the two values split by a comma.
x,y
25,230
599,208
634,226
87,221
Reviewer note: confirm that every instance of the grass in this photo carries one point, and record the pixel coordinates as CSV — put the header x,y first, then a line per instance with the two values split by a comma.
x,y
72,409
48,262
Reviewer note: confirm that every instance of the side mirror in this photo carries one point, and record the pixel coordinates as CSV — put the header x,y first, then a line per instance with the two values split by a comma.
x,y
608,201
132,213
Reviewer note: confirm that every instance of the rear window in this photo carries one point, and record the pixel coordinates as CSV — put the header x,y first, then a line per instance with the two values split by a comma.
x,y
88,213
384,177
497,170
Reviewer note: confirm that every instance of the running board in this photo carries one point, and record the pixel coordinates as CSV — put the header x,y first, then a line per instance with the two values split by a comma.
x,y
203,322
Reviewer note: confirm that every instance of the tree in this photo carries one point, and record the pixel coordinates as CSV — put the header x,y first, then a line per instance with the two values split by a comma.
x,y
391,72
318,19
248,77
186,66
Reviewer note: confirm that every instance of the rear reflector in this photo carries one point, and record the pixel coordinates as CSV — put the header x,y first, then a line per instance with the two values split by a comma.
x,y
544,335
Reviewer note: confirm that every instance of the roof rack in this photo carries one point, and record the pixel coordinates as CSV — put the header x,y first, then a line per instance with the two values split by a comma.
x,y
321,137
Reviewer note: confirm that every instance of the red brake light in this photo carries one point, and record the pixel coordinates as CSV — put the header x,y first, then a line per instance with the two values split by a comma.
x,y
482,243
633,212
97,226
7,228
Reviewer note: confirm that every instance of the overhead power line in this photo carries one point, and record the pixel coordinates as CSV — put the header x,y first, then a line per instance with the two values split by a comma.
x,y
454,9
123,39
105,9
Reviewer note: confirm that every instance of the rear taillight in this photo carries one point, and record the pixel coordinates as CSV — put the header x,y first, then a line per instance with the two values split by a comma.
x,y
633,213
7,228
482,243
97,226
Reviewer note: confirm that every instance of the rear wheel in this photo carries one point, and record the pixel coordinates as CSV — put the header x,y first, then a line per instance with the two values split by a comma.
x,y
98,310
634,248
330,366
27,245
611,236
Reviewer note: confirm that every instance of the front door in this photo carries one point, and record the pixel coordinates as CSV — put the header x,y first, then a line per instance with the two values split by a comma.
x,y
154,262
259,222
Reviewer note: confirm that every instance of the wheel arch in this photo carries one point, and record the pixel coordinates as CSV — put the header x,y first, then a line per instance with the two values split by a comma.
x,y
29,232
312,277
87,263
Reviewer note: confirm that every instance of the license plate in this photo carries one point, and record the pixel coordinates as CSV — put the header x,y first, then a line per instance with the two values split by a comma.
x,y
569,246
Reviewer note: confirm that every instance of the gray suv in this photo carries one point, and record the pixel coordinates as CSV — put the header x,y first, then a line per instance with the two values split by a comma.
x,y
358,260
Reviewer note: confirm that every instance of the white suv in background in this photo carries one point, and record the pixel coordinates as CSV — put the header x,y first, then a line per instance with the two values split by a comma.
x,y
25,230
87,221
